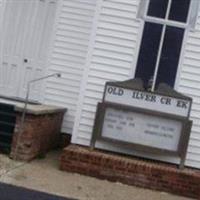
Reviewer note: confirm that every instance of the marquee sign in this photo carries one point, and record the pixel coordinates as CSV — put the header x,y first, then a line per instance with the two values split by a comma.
x,y
139,128
147,100
145,121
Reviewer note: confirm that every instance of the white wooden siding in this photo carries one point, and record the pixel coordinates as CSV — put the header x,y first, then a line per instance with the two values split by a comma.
x,y
1,27
115,40
69,51
189,83
25,38
113,55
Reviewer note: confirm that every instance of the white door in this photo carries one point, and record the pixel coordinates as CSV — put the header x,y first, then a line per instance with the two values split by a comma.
x,y
27,28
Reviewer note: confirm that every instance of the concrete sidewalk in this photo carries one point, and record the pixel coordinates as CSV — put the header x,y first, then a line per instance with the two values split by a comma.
x,y
44,175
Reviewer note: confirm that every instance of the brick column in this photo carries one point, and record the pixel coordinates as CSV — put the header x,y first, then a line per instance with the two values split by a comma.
x,y
40,134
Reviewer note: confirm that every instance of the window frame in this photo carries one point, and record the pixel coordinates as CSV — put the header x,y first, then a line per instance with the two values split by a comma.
x,y
191,19
188,26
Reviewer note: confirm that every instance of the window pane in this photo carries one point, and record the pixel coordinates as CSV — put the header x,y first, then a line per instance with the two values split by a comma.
x,y
179,10
148,51
157,8
170,55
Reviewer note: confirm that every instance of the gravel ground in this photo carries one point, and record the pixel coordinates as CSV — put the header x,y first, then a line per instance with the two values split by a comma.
x,y
43,175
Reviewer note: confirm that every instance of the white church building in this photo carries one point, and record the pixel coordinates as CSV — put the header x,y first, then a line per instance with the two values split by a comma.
x,y
91,42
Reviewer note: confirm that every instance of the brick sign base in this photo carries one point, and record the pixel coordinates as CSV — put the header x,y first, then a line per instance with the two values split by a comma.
x,y
131,171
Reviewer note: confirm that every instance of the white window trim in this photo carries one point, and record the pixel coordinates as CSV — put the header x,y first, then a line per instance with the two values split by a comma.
x,y
191,20
166,22
193,14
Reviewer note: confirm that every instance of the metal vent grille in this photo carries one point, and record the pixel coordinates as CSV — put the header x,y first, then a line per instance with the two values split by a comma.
x,y
7,126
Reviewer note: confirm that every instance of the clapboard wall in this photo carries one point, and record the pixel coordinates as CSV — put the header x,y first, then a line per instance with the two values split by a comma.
x,y
73,26
189,84
1,25
112,56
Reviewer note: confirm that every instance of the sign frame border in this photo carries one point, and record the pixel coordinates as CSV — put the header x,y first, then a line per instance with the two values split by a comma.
x,y
184,135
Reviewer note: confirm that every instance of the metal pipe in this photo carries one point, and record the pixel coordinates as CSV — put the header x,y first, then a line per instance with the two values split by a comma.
x,y
58,75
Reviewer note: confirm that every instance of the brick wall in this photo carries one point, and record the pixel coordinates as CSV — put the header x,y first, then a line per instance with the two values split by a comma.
x,y
40,134
131,171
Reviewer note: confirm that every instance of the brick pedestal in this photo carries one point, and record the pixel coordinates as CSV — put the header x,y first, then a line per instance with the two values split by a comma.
x,y
40,134
131,171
